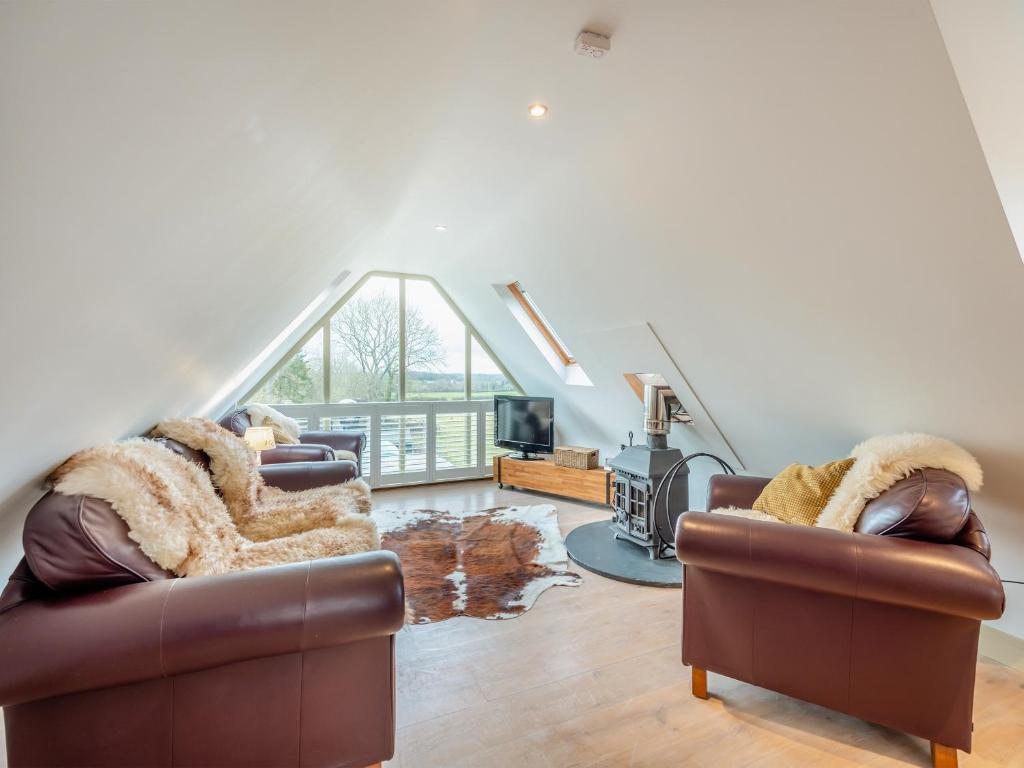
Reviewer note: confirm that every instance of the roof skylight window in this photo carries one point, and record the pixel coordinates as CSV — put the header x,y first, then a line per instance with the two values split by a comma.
x,y
537,317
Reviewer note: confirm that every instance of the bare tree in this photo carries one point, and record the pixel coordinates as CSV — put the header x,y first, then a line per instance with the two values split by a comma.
x,y
367,331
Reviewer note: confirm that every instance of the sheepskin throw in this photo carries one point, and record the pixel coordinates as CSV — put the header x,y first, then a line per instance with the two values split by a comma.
x,y
489,564
878,464
257,509
181,523
286,429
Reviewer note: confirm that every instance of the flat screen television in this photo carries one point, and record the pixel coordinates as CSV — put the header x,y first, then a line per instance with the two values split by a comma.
x,y
525,424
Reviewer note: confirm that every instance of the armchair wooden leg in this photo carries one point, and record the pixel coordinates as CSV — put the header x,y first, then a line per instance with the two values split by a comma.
x,y
943,756
699,682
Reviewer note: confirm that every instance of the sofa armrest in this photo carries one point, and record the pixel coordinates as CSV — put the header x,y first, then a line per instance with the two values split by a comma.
x,y
285,454
339,440
943,578
139,632
299,453
734,491
308,474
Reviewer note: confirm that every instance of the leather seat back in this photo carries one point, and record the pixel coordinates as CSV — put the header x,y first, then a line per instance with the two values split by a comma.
x,y
929,504
198,457
78,543
237,421
974,536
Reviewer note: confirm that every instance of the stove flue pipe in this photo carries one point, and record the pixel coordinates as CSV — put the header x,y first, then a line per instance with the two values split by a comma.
x,y
657,418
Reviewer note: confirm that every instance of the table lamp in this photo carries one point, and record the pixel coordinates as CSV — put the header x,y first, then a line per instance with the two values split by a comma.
x,y
259,439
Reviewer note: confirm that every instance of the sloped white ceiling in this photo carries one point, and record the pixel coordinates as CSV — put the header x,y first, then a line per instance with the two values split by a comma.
x,y
985,41
790,193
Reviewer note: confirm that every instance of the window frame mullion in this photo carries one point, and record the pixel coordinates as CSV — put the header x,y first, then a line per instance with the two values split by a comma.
x,y
401,340
326,328
468,353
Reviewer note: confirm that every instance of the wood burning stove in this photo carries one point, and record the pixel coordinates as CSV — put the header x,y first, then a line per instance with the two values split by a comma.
x,y
641,514
651,491
639,471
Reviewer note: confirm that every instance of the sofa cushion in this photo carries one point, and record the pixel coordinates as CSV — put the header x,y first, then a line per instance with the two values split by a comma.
x,y
80,543
930,504
286,429
799,492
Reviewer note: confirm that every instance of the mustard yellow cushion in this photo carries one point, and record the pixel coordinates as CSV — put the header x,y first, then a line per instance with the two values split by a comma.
x,y
799,492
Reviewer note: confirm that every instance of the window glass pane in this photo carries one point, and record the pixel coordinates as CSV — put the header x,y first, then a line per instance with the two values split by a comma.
x,y
301,380
403,443
456,440
435,346
364,344
488,379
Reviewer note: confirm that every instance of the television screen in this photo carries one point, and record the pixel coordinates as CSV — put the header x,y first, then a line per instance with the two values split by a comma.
x,y
525,423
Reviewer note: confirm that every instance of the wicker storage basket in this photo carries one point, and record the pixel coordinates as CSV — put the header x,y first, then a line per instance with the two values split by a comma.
x,y
574,456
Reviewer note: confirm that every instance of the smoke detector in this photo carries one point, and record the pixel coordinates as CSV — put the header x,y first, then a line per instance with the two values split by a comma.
x,y
592,44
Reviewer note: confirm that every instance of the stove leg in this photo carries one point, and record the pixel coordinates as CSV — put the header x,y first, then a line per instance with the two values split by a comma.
x,y
699,682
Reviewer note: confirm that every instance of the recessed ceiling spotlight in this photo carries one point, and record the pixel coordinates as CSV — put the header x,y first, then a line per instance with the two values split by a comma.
x,y
538,111
440,228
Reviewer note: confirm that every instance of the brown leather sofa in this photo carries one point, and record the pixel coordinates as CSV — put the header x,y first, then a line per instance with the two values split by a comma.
x,y
108,660
881,624
288,475
238,421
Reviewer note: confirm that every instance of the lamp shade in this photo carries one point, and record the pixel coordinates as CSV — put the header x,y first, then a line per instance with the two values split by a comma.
x,y
260,438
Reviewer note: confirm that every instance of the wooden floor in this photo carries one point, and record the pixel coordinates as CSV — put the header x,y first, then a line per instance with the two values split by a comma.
x,y
591,677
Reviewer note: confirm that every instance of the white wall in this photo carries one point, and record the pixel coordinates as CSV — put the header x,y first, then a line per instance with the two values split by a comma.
x,y
180,180
983,39
791,194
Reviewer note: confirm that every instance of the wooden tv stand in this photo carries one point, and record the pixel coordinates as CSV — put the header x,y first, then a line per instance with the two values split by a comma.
x,y
594,485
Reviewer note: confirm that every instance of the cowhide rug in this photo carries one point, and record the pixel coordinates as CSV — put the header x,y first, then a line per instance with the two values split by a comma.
x,y
491,564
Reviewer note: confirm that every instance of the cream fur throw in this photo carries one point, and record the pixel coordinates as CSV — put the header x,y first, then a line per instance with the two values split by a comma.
x,y
182,524
880,463
286,429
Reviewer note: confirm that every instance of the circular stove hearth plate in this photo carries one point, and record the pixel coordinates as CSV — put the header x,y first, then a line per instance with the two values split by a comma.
x,y
594,547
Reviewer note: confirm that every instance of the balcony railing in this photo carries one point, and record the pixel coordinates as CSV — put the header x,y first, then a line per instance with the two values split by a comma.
x,y
412,442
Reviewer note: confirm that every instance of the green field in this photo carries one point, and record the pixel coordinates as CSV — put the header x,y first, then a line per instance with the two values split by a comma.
x,y
460,395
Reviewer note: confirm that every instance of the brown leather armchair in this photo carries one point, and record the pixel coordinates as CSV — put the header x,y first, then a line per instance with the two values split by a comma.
x,y
881,624
238,421
109,660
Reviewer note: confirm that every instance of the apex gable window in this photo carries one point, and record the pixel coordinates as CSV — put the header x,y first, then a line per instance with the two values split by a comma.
x,y
392,338
396,359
